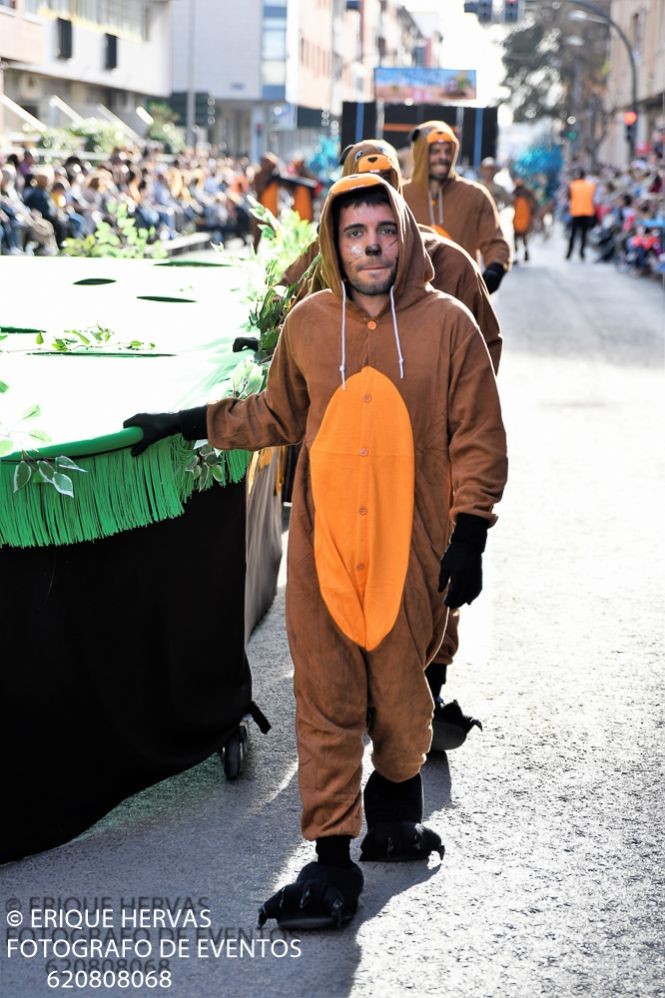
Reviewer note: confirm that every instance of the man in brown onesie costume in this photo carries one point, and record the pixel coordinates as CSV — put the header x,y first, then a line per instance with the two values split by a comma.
x,y
458,275
454,206
389,386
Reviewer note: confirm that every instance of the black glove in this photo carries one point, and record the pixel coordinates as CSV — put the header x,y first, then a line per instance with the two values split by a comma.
x,y
493,274
245,343
461,565
157,425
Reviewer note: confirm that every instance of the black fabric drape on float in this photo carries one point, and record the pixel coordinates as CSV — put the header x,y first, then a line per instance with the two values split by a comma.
x,y
122,663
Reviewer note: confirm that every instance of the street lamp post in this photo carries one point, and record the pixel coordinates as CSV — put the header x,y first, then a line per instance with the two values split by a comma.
x,y
190,127
600,13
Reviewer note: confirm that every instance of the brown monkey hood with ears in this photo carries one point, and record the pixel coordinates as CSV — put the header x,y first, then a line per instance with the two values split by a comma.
x,y
373,156
422,138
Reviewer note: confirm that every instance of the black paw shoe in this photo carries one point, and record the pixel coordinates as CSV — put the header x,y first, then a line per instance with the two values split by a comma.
x,y
450,726
400,842
322,897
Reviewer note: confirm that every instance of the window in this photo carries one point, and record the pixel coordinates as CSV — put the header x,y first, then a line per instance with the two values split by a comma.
x,y
110,51
128,16
274,73
274,38
64,44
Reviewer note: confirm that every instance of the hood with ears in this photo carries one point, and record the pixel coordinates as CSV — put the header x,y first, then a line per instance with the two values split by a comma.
x,y
422,138
372,156
414,268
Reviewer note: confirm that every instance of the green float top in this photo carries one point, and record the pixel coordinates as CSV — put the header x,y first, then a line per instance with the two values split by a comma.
x,y
181,323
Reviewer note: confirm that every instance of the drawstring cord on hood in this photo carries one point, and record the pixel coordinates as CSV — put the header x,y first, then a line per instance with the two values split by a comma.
x,y
400,358
393,311
431,209
342,366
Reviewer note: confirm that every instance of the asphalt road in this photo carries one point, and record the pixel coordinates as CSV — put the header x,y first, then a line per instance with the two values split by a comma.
x,y
552,817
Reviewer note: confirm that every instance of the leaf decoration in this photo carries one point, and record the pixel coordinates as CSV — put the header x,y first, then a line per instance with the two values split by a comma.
x,y
63,484
66,462
22,475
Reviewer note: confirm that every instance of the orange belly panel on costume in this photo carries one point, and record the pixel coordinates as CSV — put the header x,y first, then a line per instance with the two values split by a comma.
x,y
443,232
302,203
522,216
362,474
270,197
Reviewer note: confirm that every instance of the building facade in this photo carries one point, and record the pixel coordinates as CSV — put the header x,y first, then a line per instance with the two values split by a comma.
x,y
279,72
22,42
261,75
88,58
643,23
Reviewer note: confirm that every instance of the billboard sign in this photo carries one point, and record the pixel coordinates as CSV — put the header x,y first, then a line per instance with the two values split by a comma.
x,y
423,85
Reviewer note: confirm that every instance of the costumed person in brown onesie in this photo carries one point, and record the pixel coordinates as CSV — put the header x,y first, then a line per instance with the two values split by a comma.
x,y
389,386
266,188
524,208
455,207
458,275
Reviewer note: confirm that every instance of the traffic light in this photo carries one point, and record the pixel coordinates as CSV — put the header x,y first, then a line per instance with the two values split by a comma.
x,y
511,11
630,121
204,109
481,8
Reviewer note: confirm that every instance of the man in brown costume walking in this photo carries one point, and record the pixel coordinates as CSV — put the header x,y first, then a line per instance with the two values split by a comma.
x,y
389,387
454,206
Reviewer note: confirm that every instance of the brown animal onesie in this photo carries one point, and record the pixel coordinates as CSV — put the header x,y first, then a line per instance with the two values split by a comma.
x,y
390,410
464,211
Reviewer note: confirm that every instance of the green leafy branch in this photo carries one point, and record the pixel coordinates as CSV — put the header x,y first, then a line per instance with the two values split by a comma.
x,y
123,239
31,467
271,303
90,340
15,437
46,472
247,378
284,239
206,462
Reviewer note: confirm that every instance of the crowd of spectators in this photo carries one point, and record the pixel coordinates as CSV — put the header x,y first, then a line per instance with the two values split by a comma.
x,y
43,204
629,224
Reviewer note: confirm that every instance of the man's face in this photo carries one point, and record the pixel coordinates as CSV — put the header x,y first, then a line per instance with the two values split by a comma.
x,y
368,247
440,160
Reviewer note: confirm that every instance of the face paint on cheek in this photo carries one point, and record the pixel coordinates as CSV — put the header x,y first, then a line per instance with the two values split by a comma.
x,y
355,250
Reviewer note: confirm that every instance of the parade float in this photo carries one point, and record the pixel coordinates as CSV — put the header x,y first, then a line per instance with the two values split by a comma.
x,y
122,579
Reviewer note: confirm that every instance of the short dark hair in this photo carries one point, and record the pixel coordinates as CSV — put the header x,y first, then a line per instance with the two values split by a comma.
x,y
376,194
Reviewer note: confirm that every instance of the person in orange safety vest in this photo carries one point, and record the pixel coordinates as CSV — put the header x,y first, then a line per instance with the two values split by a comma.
x,y
582,211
